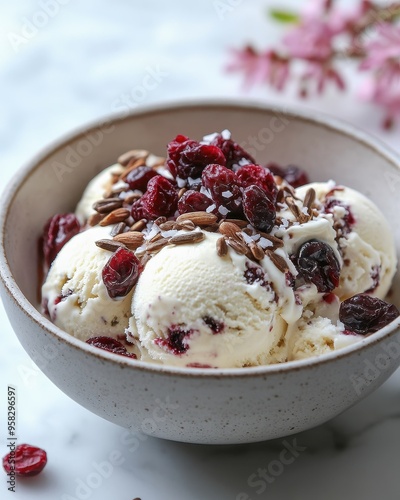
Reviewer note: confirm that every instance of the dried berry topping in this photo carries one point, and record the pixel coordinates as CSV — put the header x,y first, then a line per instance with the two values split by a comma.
x,y
260,176
317,264
27,460
214,325
176,341
161,198
139,177
258,208
137,211
57,232
364,314
187,158
295,176
111,345
121,272
193,201
234,154
375,277
224,188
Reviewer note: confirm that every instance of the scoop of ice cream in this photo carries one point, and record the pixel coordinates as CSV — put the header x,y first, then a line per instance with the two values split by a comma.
x,y
75,295
192,307
364,236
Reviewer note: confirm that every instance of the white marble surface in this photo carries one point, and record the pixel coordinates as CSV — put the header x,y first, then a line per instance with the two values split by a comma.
x,y
79,66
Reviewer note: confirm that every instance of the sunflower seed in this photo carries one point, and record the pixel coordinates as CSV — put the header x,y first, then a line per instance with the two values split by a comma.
x,y
133,154
182,238
110,245
222,247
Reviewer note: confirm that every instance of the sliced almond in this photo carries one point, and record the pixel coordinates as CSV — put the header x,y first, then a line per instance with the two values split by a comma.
x,y
139,225
133,154
95,219
198,218
108,205
156,246
118,215
118,229
110,245
191,237
131,239
229,229
309,199
238,246
222,247
278,261
239,222
257,251
167,226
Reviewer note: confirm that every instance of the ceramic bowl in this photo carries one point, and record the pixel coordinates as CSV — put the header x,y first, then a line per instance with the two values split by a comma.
x,y
190,404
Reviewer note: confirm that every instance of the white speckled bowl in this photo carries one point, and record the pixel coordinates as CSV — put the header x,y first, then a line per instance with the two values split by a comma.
x,y
196,405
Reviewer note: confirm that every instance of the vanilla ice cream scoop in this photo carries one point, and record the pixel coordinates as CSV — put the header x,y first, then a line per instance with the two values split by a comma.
x,y
364,237
75,295
192,307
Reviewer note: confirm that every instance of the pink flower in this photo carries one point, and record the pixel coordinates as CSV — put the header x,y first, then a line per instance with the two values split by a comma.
x,y
266,67
385,49
311,40
320,74
383,56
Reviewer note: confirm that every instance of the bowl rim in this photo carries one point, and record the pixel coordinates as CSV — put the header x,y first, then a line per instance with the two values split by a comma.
x,y
316,118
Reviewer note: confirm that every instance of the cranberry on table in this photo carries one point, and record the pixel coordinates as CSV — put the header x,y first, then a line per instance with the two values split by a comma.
x,y
27,460
364,313
139,177
317,264
160,199
295,176
121,272
260,176
57,232
224,187
234,154
187,158
111,345
258,208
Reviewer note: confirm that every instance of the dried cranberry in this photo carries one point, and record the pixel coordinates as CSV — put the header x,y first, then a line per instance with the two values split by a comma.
x,y
111,345
137,211
139,177
259,176
317,264
295,176
348,219
193,201
121,272
187,158
255,274
224,187
375,277
27,460
364,314
233,153
57,232
160,199
176,341
214,325
258,208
